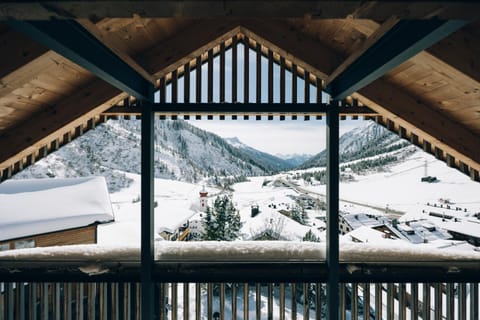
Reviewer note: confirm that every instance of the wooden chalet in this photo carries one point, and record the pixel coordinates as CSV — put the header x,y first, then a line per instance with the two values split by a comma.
x,y
413,67
51,212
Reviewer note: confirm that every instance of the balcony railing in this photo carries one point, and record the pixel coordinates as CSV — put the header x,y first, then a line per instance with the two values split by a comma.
x,y
248,288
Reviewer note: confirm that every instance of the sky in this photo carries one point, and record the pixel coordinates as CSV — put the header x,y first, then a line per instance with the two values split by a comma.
x,y
275,136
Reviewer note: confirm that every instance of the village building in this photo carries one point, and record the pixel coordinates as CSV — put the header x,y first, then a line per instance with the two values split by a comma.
x,y
352,221
28,220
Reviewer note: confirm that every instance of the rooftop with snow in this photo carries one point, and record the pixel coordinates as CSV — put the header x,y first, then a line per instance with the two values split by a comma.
x,y
36,206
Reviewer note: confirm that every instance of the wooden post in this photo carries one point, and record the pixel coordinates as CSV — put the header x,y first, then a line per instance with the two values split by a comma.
x,y
333,297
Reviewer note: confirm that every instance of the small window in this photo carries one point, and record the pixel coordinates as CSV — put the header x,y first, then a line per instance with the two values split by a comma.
x,y
24,244
4,246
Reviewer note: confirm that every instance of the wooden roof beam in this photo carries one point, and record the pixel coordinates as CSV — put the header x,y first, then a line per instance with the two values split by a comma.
x,y
73,41
325,9
380,95
98,96
389,46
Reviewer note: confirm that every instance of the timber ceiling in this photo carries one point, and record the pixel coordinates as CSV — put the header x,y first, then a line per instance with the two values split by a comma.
x,y
432,99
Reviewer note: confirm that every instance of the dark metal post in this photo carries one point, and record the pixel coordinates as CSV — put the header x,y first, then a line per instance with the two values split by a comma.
x,y
147,244
332,211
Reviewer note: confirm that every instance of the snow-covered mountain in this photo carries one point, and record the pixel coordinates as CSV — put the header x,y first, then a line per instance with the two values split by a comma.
x,y
295,159
182,152
268,161
359,143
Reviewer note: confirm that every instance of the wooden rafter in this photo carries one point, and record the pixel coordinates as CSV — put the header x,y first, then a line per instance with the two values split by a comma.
x,y
325,9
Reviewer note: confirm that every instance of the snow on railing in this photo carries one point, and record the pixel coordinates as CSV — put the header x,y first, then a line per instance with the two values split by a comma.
x,y
242,251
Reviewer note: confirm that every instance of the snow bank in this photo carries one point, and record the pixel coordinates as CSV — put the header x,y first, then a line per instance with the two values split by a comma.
x,y
35,206
243,251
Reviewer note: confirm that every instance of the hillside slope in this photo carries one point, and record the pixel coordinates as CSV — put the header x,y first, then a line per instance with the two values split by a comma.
x,y
182,152
359,143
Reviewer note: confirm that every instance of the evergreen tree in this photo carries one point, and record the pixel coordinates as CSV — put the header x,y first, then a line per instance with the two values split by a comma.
x,y
222,222
309,236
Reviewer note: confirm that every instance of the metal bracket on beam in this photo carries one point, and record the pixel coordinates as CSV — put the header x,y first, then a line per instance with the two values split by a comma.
x,y
401,42
73,41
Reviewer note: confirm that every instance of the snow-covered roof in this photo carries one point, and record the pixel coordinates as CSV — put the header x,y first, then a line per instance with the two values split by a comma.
x,y
35,206
367,234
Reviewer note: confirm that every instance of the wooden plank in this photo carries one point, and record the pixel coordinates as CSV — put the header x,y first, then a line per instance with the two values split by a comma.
x,y
303,50
294,83
306,82
234,68
414,115
174,84
210,75
54,122
163,90
282,79
17,50
198,79
263,9
246,70
186,83
259,73
186,45
270,83
222,72
374,38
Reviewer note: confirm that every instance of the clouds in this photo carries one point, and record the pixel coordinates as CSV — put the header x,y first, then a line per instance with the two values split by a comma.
x,y
276,137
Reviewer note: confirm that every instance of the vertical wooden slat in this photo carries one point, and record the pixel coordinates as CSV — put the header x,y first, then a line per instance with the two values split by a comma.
x,y
270,76
174,289
222,300
282,80
186,299
438,301
91,300
258,301
174,86
462,301
318,304
294,300
474,314
402,303
307,86
210,75
10,301
294,83
209,300
80,295
343,298
57,301
414,301
390,301
198,302
186,82
67,301
163,91
245,301
366,301
234,301
270,301
246,70
234,69
21,301
222,72
306,300
282,301
259,73
426,301
354,302
450,297
198,80
378,301
319,90
33,301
